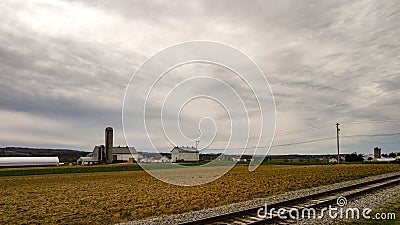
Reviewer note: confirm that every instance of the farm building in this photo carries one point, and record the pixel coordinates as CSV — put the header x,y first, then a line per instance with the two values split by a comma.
x,y
107,153
28,161
186,154
377,153
369,157
332,160
125,154
88,160
162,159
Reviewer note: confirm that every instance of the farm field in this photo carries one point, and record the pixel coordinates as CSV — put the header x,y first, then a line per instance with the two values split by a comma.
x,y
111,197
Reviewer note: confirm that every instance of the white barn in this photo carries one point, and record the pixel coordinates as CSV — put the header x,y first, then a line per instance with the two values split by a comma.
x,y
88,160
125,154
185,154
28,161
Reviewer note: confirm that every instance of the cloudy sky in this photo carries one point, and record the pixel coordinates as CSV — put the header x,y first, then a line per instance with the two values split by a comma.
x,y
65,65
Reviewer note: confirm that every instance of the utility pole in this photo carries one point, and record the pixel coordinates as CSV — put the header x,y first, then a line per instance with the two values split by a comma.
x,y
197,143
337,141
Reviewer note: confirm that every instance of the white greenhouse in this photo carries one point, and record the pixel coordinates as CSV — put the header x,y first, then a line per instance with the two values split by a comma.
x,y
28,161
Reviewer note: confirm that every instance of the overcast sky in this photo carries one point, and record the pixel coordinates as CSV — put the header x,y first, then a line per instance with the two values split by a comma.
x,y
64,67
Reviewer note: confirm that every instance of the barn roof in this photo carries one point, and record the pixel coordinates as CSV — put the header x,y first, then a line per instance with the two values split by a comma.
x,y
88,159
186,149
124,150
116,150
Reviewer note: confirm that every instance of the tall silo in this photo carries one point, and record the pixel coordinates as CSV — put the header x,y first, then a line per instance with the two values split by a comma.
x,y
109,145
377,153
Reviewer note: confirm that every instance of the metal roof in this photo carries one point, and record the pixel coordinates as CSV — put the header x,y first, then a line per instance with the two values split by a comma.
x,y
88,159
124,150
186,149
28,161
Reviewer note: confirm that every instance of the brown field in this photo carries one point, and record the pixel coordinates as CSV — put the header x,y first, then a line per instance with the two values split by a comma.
x,y
111,197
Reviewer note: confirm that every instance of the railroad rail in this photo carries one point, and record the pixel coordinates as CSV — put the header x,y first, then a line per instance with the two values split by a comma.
x,y
318,200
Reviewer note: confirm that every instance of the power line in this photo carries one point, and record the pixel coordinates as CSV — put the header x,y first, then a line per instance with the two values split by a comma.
x,y
371,121
310,141
320,139
304,142
278,145
373,135
302,130
330,138
328,125
373,142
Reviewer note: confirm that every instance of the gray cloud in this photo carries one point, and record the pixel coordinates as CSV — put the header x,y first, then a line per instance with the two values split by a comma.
x,y
67,63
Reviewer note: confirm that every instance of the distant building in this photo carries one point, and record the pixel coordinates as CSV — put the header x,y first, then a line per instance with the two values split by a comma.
x,y
186,154
158,159
88,160
164,159
385,160
368,158
377,153
332,160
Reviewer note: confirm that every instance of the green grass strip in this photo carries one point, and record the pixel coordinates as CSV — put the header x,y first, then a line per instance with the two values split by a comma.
x,y
65,170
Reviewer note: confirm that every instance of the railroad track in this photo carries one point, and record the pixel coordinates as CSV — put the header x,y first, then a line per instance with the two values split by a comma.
x,y
316,201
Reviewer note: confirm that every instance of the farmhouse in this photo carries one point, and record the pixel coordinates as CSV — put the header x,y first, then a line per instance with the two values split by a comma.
x,y
186,154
